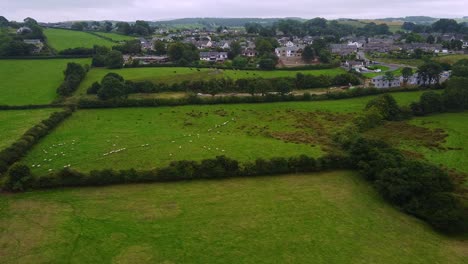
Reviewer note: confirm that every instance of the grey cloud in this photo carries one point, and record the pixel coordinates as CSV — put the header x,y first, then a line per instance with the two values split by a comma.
x,y
59,10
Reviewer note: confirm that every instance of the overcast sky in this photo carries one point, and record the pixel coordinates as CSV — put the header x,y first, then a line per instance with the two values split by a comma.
x,y
130,10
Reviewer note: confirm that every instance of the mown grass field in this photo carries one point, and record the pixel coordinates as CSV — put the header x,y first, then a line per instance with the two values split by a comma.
x,y
332,217
179,74
13,123
115,36
32,81
61,39
241,131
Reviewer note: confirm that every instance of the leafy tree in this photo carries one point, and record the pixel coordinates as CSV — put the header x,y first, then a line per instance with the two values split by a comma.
x,y
308,54
460,68
129,47
283,87
19,177
235,50
175,51
262,86
266,63
107,26
456,94
325,56
406,72
387,107
111,87
160,47
446,25
124,28
429,72
239,62
4,22
79,26
114,59
430,39
263,46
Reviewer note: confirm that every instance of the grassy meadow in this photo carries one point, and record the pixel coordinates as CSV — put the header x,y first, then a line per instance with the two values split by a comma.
x,y
440,139
179,74
152,137
115,36
454,148
333,217
13,123
61,39
32,81
451,59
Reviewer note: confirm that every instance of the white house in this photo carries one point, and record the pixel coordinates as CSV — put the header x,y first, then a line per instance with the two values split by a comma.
x,y
213,56
294,51
382,82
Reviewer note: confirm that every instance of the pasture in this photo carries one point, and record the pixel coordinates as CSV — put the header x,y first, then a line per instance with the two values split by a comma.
x,y
146,138
332,217
179,74
440,139
451,59
61,39
32,81
115,36
13,123
454,149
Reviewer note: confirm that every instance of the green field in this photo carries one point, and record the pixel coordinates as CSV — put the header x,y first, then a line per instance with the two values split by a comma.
x,y
455,147
179,74
191,133
61,39
32,81
13,123
451,59
440,139
332,217
114,36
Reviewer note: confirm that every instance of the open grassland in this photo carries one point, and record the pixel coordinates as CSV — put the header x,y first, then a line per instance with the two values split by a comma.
x,y
409,62
179,74
332,217
61,39
146,138
440,139
115,36
454,148
32,81
13,123
451,59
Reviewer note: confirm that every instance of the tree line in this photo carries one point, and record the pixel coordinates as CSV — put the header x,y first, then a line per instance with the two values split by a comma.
x,y
453,98
74,74
20,177
114,86
416,187
18,149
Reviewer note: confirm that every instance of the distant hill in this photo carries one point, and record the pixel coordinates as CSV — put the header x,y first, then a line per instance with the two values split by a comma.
x,y
216,22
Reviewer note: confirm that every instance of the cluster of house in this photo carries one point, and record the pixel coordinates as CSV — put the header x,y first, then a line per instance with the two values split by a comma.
x,y
391,43
416,79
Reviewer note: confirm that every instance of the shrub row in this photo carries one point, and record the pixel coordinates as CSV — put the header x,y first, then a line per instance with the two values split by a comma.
x,y
18,149
20,177
418,188
454,98
254,85
74,74
24,107
268,98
